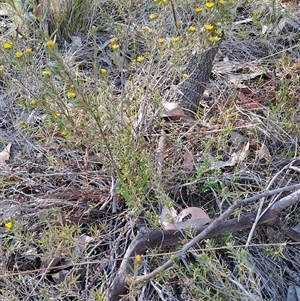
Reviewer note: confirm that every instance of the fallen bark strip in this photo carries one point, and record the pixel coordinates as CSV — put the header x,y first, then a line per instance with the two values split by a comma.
x,y
219,226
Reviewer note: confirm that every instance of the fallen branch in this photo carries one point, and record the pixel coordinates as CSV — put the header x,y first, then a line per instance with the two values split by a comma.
x,y
219,226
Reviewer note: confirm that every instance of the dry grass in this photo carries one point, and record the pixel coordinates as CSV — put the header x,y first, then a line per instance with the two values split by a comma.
x,y
83,177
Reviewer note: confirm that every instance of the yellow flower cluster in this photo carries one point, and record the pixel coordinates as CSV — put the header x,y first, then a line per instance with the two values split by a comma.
x,y
209,5
152,16
50,45
192,29
140,59
114,44
9,225
208,27
161,41
214,39
28,51
56,115
138,259
64,133
19,54
104,72
8,45
46,73
71,94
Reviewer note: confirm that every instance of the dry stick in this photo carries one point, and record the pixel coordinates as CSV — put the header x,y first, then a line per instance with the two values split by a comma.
x,y
153,239
160,154
259,214
277,207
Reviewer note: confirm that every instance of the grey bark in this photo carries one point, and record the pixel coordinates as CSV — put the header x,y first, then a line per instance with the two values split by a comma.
x,y
199,69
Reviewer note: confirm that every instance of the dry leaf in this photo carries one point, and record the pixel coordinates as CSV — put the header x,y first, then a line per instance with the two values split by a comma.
x,y
4,155
264,29
76,41
167,217
263,153
173,111
193,217
236,157
188,161
31,117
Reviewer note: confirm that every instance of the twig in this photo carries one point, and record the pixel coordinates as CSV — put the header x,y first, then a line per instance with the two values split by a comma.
x,y
160,153
114,193
259,214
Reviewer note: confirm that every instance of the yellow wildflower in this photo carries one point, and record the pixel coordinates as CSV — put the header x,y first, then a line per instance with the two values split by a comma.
x,y
214,39
114,46
46,73
179,23
33,101
140,58
218,32
9,225
113,41
8,45
19,54
208,26
185,76
50,44
144,28
152,17
222,2
192,28
56,115
28,51
64,133
164,1
104,72
175,39
150,31
161,41
94,29
71,94
137,259
198,10
209,4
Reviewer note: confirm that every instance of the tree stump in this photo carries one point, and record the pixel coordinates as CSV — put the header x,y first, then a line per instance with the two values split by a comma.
x,y
189,92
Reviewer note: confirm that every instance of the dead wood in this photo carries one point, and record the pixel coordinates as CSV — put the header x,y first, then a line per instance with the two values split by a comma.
x,y
153,239
199,69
